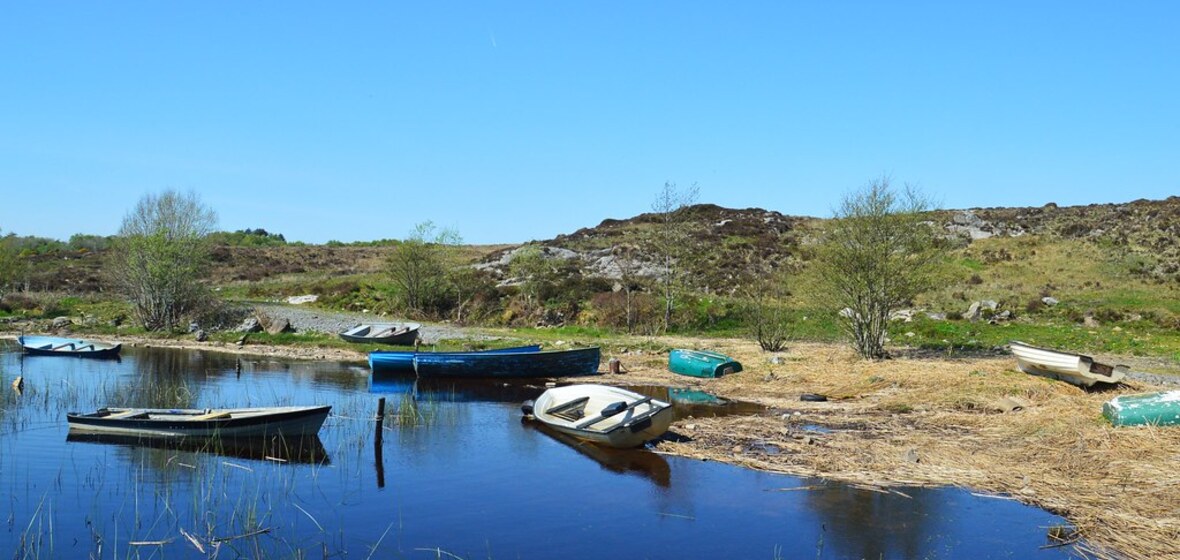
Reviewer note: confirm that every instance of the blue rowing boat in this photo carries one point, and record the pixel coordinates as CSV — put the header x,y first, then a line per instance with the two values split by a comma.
x,y
58,346
553,363
395,361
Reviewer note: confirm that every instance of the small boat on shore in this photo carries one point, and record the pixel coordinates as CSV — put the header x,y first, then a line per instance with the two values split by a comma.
x,y
701,363
403,334
59,346
498,365
1077,369
286,421
1155,409
601,414
394,361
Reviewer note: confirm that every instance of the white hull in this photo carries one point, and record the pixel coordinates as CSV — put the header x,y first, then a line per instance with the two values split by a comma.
x,y
1079,370
578,411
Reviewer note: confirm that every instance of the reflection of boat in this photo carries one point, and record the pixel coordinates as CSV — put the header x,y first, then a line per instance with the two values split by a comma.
x,y
552,363
1073,368
57,346
393,361
286,421
602,414
693,396
452,390
623,461
1156,409
403,334
306,449
701,363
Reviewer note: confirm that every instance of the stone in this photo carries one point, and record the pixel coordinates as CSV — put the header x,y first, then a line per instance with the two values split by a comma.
x,y
250,325
973,313
300,300
280,326
60,323
1050,301
201,335
911,456
936,316
1090,322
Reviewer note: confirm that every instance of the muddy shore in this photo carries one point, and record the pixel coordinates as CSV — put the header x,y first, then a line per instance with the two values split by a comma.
x,y
926,421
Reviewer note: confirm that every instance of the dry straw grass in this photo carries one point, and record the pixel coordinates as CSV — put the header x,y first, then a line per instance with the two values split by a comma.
x,y
939,421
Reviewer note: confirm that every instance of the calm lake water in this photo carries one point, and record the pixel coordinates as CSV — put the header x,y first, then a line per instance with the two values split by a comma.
x,y
458,475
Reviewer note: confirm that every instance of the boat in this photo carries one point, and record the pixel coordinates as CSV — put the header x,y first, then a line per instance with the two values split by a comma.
x,y
701,363
403,334
499,365
1079,370
394,361
286,421
58,346
602,414
1156,409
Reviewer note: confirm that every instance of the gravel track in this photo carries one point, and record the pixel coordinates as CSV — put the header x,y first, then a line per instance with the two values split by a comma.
x,y
305,319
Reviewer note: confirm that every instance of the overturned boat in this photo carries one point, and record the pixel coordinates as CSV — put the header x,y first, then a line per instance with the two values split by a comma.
x,y
1077,369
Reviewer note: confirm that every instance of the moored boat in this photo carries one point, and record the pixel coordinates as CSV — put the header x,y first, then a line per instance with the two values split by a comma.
x,y
1077,369
701,363
552,363
394,361
403,334
59,346
286,421
602,414
1156,409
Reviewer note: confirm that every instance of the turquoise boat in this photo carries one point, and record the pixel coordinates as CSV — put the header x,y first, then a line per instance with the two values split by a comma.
x,y
701,363
1156,409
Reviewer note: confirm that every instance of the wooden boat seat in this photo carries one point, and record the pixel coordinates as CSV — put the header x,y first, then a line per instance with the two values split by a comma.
x,y
616,412
214,415
60,346
126,415
84,347
572,410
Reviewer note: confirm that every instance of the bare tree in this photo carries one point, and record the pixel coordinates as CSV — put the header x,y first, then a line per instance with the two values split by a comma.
x,y
161,255
624,259
418,265
877,255
670,241
765,294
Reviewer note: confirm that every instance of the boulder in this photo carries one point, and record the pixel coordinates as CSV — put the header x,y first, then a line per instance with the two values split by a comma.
x,y
1050,301
279,326
250,325
60,323
973,313
201,335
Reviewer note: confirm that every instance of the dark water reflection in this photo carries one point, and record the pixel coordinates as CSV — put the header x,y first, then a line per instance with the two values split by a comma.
x,y
461,473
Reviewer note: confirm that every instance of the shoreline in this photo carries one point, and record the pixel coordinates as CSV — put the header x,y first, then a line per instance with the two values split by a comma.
x,y
928,421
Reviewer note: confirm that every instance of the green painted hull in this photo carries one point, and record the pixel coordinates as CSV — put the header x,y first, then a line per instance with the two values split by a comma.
x,y
700,363
1157,409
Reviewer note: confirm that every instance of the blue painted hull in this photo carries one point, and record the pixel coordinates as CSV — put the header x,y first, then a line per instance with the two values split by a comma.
x,y
58,346
393,361
561,363
701,363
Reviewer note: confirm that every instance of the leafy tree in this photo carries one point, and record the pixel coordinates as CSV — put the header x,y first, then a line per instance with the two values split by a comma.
x,y
11,265
670,240
878,254
534,271
418,265
160,257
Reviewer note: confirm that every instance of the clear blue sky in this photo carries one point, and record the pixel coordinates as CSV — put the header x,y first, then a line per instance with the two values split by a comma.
x,y
514,121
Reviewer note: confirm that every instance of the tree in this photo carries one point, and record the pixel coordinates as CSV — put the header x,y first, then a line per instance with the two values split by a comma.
x,y
877,255
765,293
418,265
670,239
11,265
161,256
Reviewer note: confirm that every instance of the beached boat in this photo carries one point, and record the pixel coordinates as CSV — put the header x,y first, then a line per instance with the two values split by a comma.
x,y
1156,409
58,346
1080,370
403,334
286,421
552,363
602,414
701,363
394,361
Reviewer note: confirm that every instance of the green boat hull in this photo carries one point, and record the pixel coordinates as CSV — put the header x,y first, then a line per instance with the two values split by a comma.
x,y
701,363
1157,409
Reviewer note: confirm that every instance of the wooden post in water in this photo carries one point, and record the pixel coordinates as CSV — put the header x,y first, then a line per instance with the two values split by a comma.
x,y
378,456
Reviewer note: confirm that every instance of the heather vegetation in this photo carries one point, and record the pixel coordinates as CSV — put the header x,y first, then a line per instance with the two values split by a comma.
x,y
1101,278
